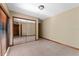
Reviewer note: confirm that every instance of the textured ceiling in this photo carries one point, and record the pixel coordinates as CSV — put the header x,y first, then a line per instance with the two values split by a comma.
x,y
51,9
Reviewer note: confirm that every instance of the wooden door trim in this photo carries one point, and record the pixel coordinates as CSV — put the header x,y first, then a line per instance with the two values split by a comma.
x,y
3,9
21,29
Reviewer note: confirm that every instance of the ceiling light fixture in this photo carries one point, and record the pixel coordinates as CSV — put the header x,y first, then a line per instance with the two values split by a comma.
x,y
41,7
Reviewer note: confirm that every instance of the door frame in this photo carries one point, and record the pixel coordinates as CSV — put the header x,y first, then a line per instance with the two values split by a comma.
x,y
7,37
21,26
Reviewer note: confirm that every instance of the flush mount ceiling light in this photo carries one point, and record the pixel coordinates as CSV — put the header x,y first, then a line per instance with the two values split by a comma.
x,y
41,7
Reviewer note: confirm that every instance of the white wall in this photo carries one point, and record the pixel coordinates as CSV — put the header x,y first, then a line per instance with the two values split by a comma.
x,y
63,28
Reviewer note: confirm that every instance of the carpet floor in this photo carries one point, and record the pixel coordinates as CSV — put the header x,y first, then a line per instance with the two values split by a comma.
x,y
24,39
42,47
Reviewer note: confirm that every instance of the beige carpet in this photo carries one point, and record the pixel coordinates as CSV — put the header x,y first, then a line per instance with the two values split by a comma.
x,y
42,47
24,39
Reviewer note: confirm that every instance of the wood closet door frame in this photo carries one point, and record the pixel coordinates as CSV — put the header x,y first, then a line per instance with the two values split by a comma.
x,y
21,26
6,28
15,30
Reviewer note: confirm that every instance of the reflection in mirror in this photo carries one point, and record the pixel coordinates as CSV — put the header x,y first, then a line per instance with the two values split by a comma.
x,y
23,30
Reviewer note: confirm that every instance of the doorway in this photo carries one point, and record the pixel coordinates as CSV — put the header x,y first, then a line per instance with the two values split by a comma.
x,y
15,29
24,30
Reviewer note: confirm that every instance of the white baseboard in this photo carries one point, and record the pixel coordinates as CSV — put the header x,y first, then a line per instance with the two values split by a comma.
x,y
7,51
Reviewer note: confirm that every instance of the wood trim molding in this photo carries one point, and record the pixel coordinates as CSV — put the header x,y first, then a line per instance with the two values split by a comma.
x,y
3,9
12,32
7,51
61,43
7,37
21,29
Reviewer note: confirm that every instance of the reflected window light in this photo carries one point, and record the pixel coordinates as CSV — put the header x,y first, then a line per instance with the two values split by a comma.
x,y
23,20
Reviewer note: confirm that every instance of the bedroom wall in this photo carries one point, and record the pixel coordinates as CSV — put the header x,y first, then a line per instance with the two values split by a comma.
x,y
63,28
